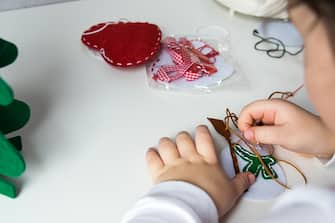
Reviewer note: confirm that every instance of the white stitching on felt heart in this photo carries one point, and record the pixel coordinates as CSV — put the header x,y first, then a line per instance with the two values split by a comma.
x,y
102,51
98,30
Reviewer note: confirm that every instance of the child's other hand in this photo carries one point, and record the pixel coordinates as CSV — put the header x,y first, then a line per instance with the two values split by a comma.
x,y
196,162
287,125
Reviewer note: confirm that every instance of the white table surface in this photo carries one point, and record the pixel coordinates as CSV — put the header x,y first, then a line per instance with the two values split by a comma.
x,y
16,4
91,123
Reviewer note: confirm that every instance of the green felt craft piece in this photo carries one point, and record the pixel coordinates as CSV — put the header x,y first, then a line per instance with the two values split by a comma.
x,y
13,116
16,142
8,53
11,161
254,165
7,189
6,93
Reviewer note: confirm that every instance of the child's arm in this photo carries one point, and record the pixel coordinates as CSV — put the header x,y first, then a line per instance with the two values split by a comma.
x,y
181,202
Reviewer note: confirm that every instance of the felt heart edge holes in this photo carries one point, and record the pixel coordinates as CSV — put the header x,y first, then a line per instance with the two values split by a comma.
x,y
116,62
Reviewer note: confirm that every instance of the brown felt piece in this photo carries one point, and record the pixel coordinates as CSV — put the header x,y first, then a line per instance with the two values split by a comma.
x,y
220,127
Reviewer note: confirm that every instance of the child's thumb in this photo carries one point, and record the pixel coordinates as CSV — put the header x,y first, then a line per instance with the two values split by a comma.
x,y
265,134
242,182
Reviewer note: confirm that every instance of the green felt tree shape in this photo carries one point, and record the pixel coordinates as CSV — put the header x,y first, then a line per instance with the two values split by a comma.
x,y
254,165
14,114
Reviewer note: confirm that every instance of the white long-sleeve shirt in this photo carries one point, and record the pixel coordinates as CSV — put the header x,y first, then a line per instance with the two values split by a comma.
x,y
176,201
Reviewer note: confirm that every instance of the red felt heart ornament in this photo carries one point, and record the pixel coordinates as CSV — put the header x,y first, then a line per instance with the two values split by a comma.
x,y
124,44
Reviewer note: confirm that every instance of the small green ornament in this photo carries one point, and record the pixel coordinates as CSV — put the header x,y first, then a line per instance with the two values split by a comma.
x,y
14,114
254,166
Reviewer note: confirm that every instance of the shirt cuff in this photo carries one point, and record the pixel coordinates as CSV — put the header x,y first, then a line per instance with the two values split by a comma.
x,y
329,163
174,201
305,204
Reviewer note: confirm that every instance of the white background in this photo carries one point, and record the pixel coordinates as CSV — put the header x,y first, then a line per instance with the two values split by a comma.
x,y
92,123
13,4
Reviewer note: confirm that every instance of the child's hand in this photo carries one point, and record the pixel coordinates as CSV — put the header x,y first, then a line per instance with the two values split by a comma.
x,y
287,125
196,162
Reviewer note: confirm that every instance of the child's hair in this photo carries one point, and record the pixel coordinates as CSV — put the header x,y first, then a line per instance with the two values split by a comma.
x,y
325,10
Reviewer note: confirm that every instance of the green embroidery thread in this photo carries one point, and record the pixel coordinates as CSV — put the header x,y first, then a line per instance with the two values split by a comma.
x,y
254,166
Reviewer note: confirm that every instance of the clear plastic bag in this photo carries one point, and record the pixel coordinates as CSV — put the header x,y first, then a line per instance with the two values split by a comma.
x,y
206,39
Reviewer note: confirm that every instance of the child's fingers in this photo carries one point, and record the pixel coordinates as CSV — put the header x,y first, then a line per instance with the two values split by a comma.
x,y
168,150
205,145
154,162
266,134
185,145
242,182
263,111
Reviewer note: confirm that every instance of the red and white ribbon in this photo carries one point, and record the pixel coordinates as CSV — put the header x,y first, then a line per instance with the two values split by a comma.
x,y
188,62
